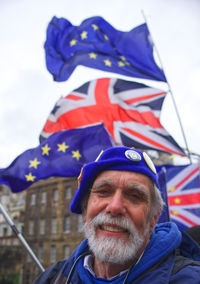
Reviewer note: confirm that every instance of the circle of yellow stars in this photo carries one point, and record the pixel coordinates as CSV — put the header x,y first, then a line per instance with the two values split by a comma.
x,y
46,149
92,55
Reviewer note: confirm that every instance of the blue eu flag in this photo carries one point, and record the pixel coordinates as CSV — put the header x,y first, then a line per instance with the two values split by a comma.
x,y
96,44
62,154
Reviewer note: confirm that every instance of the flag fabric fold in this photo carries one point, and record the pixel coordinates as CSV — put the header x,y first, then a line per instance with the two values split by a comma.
x,y
183,191
164,216
130,111
62,154
96,44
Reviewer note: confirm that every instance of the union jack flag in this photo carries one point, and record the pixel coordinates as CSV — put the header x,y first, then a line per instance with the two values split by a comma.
x,y
130,111
183,187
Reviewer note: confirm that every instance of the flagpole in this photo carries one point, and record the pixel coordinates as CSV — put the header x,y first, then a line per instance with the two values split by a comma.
x,y
170,91
20,237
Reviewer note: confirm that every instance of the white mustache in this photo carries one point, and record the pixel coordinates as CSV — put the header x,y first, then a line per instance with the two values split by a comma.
x,y
120,221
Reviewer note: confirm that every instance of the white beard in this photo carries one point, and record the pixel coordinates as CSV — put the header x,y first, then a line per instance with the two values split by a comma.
x,y
115,250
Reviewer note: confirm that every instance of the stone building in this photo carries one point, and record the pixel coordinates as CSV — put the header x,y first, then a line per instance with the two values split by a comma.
x,y
11,252
50,229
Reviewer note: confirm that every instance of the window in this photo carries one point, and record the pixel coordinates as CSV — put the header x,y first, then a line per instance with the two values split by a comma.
x,y
44,197
54,226
15,242
41,253
68,192
33,199
20,201
80,224
29,259
55,195
31,227
10,232
42,227
67,224
21,228
53,254
5,231
66,251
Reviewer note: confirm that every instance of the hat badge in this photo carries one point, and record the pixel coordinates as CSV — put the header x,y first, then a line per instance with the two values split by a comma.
x,y
149,162
133,155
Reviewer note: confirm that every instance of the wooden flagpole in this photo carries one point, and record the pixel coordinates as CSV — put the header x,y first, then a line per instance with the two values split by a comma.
x,y
170,91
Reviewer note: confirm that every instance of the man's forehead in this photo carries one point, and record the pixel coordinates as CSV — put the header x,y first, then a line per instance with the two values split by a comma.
x,y
141,185
111,176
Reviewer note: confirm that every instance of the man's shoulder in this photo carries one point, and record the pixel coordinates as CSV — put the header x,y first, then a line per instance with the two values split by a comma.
x,y
185,270
182,262
187,260
50,273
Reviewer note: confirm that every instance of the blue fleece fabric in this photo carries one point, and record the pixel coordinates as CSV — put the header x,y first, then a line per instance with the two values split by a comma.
x,y
164,239
160,251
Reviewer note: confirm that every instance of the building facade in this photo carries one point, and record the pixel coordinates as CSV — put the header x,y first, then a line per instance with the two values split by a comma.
x,y
49,227
11,252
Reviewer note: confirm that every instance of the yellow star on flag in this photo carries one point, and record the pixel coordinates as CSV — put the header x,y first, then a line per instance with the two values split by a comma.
x,y
76,154
123,58
175,213
95,27
121,64
34,163
172,189
45,150
106,37
73,42
92,55
177,200
62,147
30,177
84,35
107,62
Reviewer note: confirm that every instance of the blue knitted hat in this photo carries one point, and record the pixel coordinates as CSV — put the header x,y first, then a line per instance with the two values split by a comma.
x,y
115,158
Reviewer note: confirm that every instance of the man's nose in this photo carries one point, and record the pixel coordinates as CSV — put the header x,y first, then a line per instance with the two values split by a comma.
x,y
116,204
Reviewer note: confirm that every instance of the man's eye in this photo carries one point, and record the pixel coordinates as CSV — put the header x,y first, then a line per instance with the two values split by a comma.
x,y
101,191
136,196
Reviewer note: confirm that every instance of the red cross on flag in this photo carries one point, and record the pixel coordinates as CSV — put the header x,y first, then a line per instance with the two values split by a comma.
x,y
130,111
183,190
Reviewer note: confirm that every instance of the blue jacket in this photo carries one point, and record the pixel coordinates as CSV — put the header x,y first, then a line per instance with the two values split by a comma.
x,y
170,257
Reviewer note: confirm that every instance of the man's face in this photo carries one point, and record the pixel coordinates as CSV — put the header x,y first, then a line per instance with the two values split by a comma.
x,y
118,214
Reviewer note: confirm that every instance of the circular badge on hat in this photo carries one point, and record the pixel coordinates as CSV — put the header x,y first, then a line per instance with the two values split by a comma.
x,y
149,162
133,155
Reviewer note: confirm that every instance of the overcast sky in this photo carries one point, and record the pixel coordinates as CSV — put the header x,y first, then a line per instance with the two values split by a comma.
x,y
28,92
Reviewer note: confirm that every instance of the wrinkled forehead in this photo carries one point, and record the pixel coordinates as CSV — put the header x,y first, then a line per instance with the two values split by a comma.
x,y
126,176
123,179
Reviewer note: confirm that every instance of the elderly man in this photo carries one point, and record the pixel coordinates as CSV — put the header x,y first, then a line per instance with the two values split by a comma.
x,y
120,202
